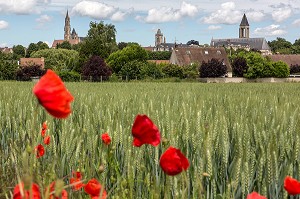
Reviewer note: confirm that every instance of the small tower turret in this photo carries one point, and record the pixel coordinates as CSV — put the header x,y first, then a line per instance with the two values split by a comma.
x,y
244,28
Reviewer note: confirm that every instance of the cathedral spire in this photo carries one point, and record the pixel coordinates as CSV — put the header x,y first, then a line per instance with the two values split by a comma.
x,y
67,28
244,28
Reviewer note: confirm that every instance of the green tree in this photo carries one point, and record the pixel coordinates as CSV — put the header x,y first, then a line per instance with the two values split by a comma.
x,y
130,53
64,45
31,48
8,69
132,69
42,45
18,51
281,45
58,59
100,40
281,69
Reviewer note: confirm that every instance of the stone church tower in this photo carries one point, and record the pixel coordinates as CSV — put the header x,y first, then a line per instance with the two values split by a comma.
x,y
244,28
67,29
158,38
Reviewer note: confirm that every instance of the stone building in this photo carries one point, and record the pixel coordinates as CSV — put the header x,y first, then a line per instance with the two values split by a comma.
x,y
71,37
244,41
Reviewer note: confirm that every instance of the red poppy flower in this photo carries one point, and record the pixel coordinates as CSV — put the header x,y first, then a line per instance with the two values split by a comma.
x,y
43,132
47,140
76,180
93,188
291,185
44,126
53,95
40,150
34,189
144,131
255,195
105,138
173,161
64,193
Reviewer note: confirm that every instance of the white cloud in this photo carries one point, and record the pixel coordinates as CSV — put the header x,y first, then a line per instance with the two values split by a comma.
x,y
214,27
18,6
255,15
167,14
296,22
94,9
3,25
281,12
226,15
271,30
99,11
44,19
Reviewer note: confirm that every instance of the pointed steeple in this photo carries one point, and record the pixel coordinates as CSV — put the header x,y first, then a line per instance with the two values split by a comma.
x,y
244,21
244,31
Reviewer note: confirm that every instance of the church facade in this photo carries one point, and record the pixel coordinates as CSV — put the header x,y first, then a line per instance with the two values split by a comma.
x,y
244,41
70,36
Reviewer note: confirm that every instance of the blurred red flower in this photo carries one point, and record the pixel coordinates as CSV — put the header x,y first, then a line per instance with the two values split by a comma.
x,y
255,195
76,180
144,131
34,188
40,150
64,193
173,161
291,185
105,138
47,140
93,188
44,129
53,95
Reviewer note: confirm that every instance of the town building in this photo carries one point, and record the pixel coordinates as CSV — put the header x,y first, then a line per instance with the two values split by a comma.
x,y
161,44
244,41
192,55
32,61
71,37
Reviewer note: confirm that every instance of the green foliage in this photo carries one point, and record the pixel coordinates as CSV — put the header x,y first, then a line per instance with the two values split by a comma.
x,y
100,40
281,69
58,59
118,59
33,47
191,71
281,46
159,55
8,69
151,71
260,67
69,76
64,45
212,68
18,51
172,70
133,69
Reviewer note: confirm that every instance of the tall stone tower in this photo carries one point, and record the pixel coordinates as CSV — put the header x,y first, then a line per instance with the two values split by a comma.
x,y
67,28
158,38
244,28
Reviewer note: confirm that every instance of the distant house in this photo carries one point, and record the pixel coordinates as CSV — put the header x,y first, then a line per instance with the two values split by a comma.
x,y
187,56
32,61
6,50
291,59
244,41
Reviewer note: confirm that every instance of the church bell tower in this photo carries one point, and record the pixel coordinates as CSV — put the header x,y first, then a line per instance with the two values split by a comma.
x,y
67,28
244,28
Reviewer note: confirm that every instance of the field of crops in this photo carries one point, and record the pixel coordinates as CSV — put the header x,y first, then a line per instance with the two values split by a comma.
x,y
238,138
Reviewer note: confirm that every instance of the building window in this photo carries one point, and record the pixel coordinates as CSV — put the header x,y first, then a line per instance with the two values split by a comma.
x,y
206,52
219,52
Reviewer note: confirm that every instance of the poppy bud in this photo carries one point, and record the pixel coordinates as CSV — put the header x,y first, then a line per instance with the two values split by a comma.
x,y
101,168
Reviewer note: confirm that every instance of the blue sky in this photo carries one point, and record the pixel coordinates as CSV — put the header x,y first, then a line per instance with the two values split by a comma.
x,y
26,21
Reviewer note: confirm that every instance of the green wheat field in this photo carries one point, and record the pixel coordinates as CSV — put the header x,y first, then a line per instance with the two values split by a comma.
x,y
238,138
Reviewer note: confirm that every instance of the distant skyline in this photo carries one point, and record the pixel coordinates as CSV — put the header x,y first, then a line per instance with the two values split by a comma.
x,y
29,21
